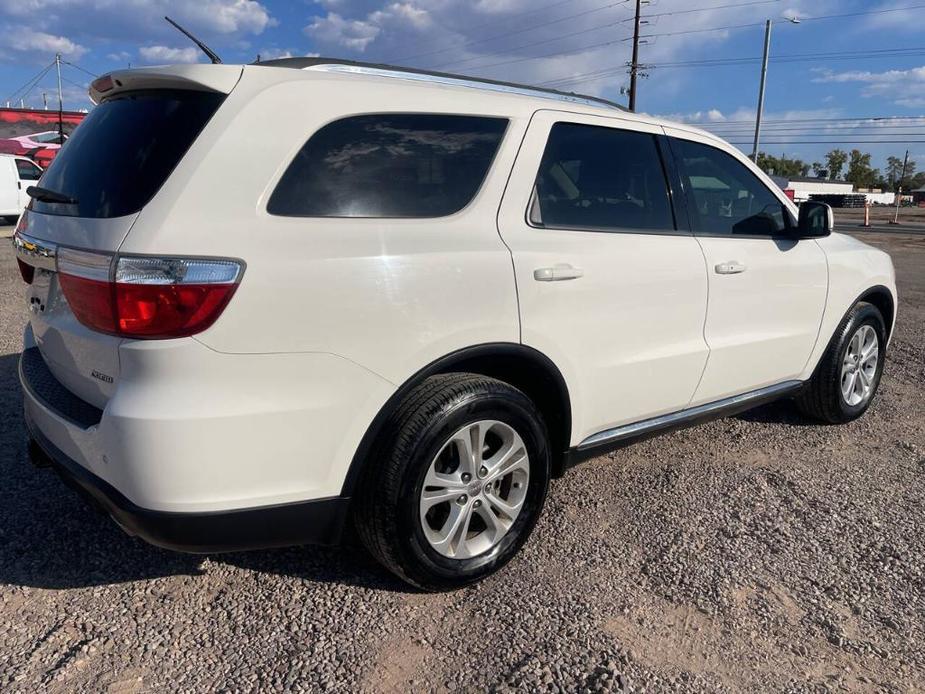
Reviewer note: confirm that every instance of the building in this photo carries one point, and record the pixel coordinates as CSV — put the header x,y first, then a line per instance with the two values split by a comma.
x,y
803,187
918,196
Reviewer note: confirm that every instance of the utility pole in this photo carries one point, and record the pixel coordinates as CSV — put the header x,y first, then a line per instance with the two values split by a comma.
x,y
60,99
899,191
764,78
634,66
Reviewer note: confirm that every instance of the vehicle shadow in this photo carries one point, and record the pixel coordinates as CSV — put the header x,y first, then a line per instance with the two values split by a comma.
x,y
778,412
51,538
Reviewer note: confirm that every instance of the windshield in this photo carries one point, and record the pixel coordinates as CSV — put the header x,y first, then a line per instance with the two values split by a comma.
x,y
122,153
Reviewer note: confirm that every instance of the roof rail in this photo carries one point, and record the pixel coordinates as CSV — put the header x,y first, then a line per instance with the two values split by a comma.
x,y
408,73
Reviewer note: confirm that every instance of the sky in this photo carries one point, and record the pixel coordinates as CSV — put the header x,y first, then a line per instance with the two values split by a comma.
x,y
844,59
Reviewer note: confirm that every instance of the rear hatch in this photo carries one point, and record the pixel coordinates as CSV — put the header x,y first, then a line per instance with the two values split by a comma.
x,y
91,195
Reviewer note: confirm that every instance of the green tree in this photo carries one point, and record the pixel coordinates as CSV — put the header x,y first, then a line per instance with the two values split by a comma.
x,y
894,167
860,172
835,162
781,166
818,169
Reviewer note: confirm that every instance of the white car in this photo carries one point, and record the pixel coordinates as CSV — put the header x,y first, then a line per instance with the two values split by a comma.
x,y
408,304
16,175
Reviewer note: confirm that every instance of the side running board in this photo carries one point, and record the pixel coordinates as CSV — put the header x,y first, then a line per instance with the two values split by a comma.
x,y
604,441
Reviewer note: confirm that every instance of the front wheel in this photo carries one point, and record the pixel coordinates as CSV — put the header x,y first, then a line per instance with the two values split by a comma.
x,y
848,374
459,485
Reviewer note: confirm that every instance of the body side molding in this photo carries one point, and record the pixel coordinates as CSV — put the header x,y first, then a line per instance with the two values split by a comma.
x,y
610,439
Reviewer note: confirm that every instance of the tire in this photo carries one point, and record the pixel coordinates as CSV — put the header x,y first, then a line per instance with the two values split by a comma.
x,y
10,220
823,398
419,442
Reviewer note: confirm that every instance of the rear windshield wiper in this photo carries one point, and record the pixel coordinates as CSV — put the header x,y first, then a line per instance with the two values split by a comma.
x,y
48,195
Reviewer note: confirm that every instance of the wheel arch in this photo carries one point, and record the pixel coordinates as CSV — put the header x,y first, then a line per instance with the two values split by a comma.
x,y
523,367
882,299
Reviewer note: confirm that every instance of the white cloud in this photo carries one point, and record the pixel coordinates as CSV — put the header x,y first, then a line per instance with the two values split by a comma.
x,y
354,34
25,42
357,34
166,54
902,87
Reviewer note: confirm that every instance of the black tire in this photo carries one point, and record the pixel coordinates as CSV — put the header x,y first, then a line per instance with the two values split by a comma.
x,y
822,397
386,511
10,220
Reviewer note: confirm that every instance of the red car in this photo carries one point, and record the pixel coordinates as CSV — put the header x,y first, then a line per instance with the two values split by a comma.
x,y
40,147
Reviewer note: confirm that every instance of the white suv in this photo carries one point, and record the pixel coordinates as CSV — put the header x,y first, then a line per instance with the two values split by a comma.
x,y
273,302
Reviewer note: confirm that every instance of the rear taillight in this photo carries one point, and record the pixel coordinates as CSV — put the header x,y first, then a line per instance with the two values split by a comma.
x,y
85,280
146,297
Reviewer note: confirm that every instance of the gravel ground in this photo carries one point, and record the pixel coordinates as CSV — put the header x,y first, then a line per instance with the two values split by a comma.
x,y
757,553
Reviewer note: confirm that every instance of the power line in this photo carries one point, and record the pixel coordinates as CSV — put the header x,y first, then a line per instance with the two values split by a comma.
x,y
519,31
30,85
801,19
743,60
535,43
818,120
836,142
603,44
74,65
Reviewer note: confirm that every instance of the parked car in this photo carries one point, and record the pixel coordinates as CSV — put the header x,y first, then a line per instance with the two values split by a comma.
x,y
16,174
40,147
409,304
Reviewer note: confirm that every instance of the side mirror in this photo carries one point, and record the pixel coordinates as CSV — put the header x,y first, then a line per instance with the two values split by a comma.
x,y
816,220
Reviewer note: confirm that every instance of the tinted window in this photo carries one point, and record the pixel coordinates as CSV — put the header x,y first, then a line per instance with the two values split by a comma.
x,y
601,178
124,150
28,171
401,165
725,197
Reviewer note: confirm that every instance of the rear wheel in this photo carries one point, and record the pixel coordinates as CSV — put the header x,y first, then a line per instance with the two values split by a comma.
x,y
848,374
459,484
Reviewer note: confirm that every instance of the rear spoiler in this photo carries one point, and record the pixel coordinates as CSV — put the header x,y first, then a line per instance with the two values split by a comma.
x,y
209,78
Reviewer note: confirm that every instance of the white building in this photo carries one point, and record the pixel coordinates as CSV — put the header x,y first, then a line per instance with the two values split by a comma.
x,y
804,187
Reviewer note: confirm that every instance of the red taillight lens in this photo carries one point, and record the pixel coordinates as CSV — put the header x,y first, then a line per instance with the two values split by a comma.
x,y
159,311
148,298
84,277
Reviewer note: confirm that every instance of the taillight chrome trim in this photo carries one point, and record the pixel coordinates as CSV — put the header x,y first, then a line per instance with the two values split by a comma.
x,y
34,251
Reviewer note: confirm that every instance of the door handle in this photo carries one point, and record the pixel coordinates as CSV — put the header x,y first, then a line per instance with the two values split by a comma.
x,y
557,273
730,268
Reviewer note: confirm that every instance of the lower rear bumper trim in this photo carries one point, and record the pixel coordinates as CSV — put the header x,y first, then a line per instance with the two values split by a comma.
x,y
319,521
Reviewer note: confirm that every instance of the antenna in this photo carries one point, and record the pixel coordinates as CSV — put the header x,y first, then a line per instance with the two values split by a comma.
x,y
213,56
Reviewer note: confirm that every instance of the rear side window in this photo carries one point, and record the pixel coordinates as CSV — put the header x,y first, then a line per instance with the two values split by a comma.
x,y
601,178
124,150
389,165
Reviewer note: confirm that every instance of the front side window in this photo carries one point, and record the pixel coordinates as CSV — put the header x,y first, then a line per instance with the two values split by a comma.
x,y
724,197
28,171
601,178
389,165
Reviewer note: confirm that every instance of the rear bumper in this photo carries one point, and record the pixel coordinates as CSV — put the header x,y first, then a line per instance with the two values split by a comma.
x,y
320,521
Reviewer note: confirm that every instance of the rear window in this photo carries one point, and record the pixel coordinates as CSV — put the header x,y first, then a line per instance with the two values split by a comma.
x,y
389,165
124,150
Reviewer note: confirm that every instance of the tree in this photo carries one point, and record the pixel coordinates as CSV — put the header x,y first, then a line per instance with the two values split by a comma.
x,y
819,170
894,167
860,172
835,161
781,166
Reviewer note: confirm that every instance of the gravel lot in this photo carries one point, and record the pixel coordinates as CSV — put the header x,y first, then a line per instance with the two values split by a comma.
x,y
755,553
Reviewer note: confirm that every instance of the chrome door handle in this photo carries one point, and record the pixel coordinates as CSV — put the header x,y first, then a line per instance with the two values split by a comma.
x,y
557,273
730,268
